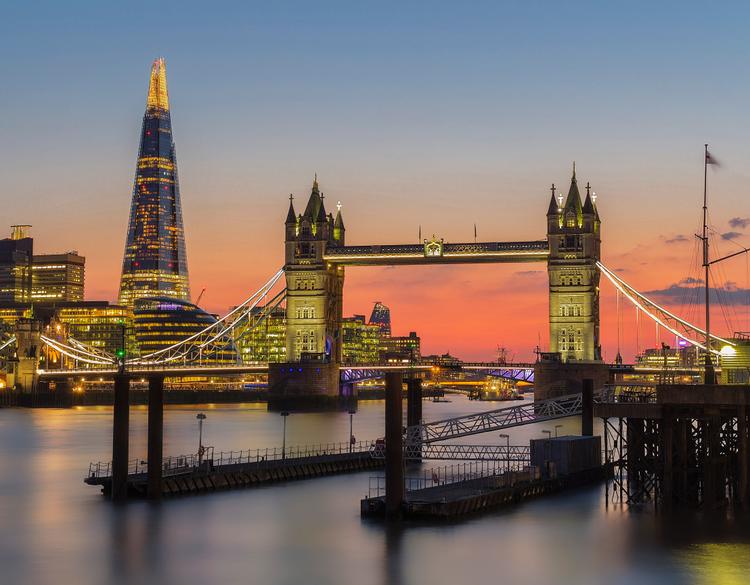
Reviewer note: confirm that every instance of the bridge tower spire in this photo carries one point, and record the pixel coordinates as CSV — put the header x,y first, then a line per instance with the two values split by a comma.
x,y
574,236
313,308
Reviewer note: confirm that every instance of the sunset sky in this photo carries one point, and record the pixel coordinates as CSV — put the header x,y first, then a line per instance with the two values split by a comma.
x,y
411,113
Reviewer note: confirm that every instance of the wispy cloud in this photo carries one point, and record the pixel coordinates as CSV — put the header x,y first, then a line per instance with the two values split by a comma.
x,y
691,280
528,272
677,239
686,292
730,235
739,222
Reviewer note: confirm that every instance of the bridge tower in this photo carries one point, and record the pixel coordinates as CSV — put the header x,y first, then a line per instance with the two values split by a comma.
x,y
574,236
313,305
28,349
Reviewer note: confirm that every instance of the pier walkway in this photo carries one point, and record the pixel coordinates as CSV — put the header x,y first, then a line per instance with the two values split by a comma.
x,y
457,497
189,474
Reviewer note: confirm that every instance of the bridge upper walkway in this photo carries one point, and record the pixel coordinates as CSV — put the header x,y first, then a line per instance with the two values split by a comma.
x,y
443,253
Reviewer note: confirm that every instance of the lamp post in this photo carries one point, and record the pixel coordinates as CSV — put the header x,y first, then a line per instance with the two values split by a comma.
x,y
507,455
201,417
351,430
548,433
557,427
284,414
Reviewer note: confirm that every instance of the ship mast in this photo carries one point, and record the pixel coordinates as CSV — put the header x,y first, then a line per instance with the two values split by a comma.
x,y
709,375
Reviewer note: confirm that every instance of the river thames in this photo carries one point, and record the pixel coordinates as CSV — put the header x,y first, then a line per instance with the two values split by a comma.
x,y
58,530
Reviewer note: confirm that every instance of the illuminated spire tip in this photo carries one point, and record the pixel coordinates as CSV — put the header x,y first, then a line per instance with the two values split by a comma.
x,y
157,87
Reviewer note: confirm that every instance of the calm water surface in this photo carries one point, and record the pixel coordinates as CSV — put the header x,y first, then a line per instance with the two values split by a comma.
x,y
55,529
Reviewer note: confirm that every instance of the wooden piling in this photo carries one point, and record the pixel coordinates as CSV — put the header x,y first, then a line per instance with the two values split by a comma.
x,y
587,408
394,454
120,430
155,435
413,402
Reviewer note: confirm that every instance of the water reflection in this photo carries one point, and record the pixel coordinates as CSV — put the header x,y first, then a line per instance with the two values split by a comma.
x,y
57,530
393,574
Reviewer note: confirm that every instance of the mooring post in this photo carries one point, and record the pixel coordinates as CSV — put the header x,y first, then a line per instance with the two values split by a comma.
x,y
155,435
587,408
712,480
120,430
743,456
666,432
413,402
394,452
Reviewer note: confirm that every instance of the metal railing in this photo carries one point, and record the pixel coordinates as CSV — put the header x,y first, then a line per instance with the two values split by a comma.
x,y
628,394
449,474
170,466
213,460
464,452
296,452
494,420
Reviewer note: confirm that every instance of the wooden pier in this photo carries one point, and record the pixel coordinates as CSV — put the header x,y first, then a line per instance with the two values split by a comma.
x,y
678,445
189,475
483,494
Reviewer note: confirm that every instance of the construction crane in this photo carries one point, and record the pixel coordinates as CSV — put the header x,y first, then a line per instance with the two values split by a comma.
x,y
200,296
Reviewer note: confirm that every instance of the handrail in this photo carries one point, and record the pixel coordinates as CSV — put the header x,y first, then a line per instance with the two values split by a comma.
x,y
415,451
493,420
450,474
174,465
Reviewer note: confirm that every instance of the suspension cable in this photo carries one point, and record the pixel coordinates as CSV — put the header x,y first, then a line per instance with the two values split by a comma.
x,y
630,293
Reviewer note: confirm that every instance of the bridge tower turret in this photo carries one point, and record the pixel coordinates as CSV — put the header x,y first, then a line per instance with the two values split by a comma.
x,y
313,303
574,236
314,287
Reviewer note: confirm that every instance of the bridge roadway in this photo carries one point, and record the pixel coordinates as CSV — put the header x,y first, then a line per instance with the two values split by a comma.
x,y
350,372
216,370
438,252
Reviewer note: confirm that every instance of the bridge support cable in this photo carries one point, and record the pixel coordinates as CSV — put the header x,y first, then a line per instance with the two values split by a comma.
x,y
253,320
7,342
214,337
495,420
75,354
644,303
91,351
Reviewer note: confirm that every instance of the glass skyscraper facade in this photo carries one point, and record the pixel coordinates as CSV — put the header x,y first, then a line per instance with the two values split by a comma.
x,y
155,262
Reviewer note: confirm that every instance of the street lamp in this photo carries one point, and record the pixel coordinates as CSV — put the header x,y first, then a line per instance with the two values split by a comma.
x,y
549,434
201,417
507,453
557,427
284,414
351,429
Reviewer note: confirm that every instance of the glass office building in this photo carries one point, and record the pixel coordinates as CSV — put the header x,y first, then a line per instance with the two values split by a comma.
x,y
16,255
57,277
161,322
381,316
155,262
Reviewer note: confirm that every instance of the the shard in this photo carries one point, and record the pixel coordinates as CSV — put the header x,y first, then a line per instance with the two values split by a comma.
x,y
155,262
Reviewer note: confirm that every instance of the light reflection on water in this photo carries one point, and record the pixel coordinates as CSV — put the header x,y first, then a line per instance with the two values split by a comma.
x,y
55,529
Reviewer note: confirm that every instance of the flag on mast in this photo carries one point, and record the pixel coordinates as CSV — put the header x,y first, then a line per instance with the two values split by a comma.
x,y
711,159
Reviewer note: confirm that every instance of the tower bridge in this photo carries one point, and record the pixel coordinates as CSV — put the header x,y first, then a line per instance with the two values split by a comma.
x,y
316,255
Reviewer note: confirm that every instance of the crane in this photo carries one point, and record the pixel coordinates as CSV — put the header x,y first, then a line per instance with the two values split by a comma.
x,y
200,296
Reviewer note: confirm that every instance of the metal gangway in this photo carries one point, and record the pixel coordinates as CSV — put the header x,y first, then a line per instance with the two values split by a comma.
x,y
415,451
494,420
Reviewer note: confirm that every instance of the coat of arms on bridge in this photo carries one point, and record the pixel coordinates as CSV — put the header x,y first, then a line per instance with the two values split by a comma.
x,y
433,247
